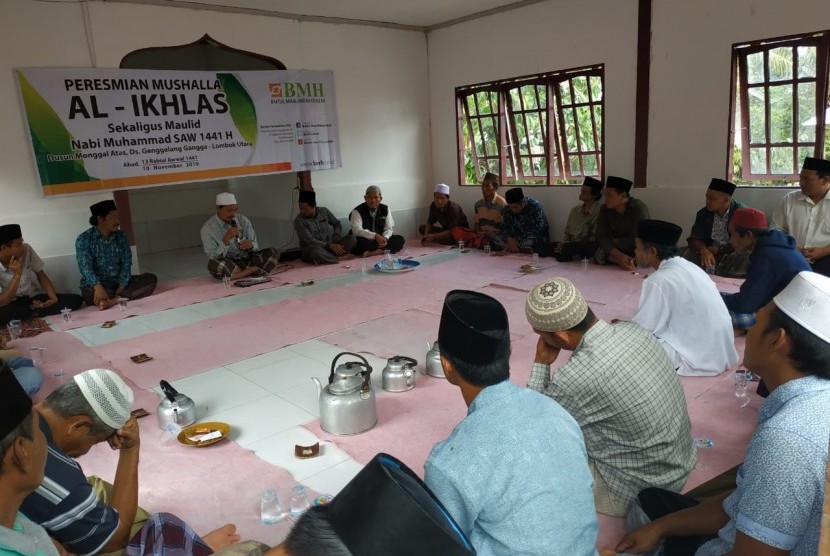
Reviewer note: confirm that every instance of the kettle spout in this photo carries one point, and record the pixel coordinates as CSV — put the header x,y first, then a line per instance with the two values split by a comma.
x,y
319,386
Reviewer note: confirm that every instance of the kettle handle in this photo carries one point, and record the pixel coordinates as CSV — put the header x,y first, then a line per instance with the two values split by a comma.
x,y
169,392
364,363
409,360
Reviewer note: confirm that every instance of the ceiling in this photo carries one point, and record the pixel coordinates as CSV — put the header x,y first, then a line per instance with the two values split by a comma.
x,y
415,14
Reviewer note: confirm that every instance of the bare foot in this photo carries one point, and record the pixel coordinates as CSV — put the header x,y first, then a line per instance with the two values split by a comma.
x,y
347,257
222,538
372,253
102,305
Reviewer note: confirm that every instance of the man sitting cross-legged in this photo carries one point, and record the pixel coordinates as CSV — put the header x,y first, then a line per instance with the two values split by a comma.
x,y
680,304
373,226
229,241
776,508
622,389
319,232
93,408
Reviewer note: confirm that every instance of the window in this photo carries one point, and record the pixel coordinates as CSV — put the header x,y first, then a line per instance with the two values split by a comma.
x,y
544,129
779,108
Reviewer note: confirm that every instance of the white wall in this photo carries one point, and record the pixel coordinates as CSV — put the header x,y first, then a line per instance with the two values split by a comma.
x,y
381,84
690,65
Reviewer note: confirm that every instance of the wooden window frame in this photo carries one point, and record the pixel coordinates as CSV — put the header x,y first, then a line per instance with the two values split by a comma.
x,y
740,53
556,153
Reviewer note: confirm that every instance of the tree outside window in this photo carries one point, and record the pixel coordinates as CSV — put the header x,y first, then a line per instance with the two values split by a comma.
x,y
779,108
544,129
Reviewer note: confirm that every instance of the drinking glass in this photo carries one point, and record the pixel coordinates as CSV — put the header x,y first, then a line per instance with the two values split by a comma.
x,y
37,355
66,313
741,378
299,501
15,327
487,249
270,509
122,303
535,262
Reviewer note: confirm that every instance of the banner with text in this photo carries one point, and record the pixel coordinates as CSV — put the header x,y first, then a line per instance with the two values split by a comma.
x,y
104,129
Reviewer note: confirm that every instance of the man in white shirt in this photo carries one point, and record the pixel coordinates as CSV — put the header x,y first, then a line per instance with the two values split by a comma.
x,y
805,214
681,305
373,226
25,289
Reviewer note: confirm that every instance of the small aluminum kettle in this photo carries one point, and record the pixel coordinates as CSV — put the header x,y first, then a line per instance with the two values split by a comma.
x,y
434,367
175,408
347,403
399,374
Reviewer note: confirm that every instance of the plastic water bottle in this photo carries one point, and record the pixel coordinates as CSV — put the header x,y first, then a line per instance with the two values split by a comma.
x,y
299,501
270,510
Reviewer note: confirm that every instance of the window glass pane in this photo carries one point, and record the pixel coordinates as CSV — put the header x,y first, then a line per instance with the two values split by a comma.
x,y
488,129
565,92
781,160
580,88
806,61
586,128
757,115
529,96
555,166
590,162
781,63
570,131
755,67
781,114
515,102
493,166
598,121
806,112
526,166
534,127
804,152
540,166
596,88
758,161
542,92
483,101
521,133
471,104
576,167
477,141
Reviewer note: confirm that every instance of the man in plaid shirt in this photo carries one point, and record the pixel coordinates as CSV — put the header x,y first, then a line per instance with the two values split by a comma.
x,y
622,389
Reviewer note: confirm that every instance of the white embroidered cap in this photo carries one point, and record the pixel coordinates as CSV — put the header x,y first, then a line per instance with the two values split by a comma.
x,y
442,188
223,199
108,395
806,300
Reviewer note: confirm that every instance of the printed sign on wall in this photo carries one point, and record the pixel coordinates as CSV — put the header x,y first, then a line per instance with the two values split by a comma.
x,y
105,129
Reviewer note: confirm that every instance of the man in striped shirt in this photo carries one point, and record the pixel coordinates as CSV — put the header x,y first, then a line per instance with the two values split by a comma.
x,y
95,407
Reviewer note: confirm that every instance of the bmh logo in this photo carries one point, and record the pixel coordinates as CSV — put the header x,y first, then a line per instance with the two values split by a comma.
x,y
276,90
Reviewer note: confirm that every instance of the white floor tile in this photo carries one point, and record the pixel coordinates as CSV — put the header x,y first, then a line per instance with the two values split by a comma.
x,y
304,396
282,375
124,330
279,450
320,351
261,418
218,390
258,361
332,480
222,306
165,320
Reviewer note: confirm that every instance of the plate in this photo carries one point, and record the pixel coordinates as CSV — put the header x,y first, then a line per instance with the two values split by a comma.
x,y
406,266
529,268
207,427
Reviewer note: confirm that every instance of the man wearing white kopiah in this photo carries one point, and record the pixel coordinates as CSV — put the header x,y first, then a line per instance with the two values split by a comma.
x,y
681,305
229,241
89,516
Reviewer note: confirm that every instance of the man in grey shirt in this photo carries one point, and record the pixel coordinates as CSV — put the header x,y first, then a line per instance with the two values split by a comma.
x,y
319,231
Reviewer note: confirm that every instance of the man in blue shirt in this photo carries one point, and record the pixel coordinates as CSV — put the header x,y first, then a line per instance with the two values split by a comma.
x,y
773,262
525,225
777,505
105,261
514,473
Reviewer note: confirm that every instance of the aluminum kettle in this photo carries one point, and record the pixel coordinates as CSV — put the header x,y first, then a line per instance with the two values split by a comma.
x,y
175,408
347,403
399,374
434,367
